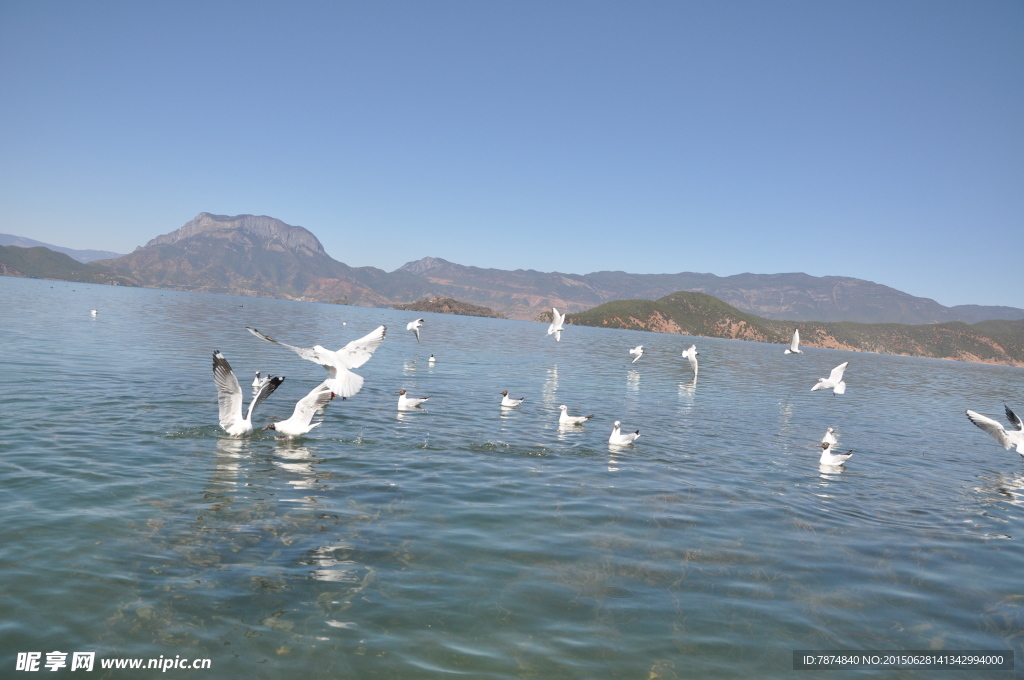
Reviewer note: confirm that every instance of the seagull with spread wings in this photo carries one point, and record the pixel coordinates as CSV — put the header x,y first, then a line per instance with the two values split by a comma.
x,y
341,380
301,421
834,381
556,324
1008,439
229,397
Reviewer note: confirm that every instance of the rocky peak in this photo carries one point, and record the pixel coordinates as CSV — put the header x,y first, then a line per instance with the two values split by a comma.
x,y
293,238
427,264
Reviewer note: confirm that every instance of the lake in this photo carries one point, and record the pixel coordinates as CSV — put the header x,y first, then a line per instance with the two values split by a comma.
x,y
462,539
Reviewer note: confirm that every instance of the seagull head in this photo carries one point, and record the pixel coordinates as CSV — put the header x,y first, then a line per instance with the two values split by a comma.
x,y
504,393
271,426
562,407
400,392
617,424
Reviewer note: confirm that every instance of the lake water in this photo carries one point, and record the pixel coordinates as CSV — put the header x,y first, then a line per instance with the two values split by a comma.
x,y
461,540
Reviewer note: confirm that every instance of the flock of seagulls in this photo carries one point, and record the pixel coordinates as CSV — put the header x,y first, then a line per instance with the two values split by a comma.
x,y
343,382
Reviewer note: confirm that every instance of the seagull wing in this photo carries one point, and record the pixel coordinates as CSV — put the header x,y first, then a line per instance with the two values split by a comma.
x,y
836,376
992,427
311,403
229,392
795,345
1013,418
308,353
265,390
556,322
358,352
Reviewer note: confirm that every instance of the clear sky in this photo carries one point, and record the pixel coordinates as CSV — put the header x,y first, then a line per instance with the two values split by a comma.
x,y
880,140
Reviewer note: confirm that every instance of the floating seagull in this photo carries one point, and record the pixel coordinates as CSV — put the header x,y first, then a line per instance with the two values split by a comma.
x,y
508,401
794,347
618,438
829,458
1006,438
414,326
834,381
566,419
258,383
638,351
405,402
556,324
229,397
94,312
342,381
431,359
829,438
691,354
301,421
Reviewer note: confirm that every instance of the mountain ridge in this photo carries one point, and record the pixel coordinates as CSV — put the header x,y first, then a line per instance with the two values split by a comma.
x,y
698,314
264,256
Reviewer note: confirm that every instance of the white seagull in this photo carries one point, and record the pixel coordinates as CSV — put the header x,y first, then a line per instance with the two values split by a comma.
x,y
829,458
556,324
342,381
258,383
830,437
618,438
834,381
405,402
301,421
1006,438
691,354
638,351
229,397
566,419
794,347
94,312
508,401
431,359
414,326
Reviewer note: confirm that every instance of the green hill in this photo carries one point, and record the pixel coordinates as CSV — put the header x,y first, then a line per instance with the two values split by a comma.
x,y
42,263
996,342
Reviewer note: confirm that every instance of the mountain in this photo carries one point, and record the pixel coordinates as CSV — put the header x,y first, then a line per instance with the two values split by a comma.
x,y
263,256
249,255
684,313
450,306
42,263
523,293
80,255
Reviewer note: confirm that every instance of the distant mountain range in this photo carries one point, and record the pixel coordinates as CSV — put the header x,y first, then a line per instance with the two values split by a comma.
x,y
263,256
80,255
995,342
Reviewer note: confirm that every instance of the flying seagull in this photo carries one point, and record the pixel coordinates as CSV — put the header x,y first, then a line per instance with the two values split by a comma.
x,y
691,354
829,458
638,351
794,347
301,421
405,402
229,397
414,326
618,438
566,419
508,401
556,324
341,380
834,381
830,437
1006,438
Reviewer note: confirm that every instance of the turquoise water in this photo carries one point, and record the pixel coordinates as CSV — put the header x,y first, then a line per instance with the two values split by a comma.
x,y
461,540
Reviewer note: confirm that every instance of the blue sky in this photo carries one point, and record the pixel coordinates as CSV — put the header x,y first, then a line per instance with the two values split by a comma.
x,y
881,140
